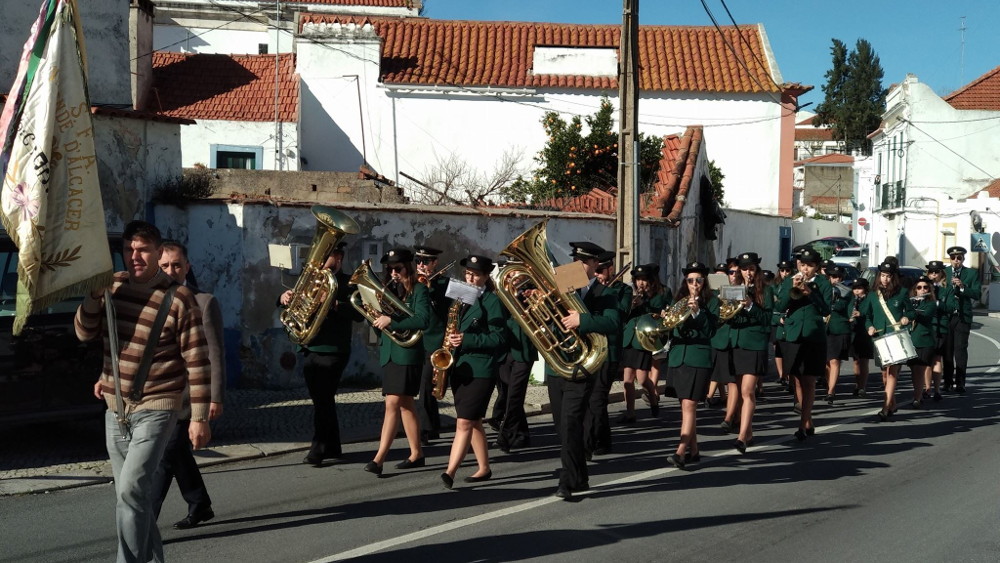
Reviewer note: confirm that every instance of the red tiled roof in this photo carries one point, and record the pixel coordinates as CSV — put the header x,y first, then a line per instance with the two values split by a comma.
x,y
824,159
993,189
409,4
676,175
143,115
224,87
981,93
473,53
813,134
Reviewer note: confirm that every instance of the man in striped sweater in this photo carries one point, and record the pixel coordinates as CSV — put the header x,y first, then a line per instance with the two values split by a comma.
x,y
180,361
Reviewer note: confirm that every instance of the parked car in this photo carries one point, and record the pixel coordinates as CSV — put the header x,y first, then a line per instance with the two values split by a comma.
x,y
908,275
850,274
853,256
828,246
46,373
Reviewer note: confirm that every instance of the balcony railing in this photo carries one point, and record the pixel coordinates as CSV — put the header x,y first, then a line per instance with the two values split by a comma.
x,y
892,195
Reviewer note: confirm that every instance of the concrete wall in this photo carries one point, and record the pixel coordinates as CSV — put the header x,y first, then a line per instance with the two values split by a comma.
x,y
229,250
410,129
106,32
198,139
317,187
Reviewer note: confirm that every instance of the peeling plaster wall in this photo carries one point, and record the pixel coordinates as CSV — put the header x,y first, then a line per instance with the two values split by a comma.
x,y
228,245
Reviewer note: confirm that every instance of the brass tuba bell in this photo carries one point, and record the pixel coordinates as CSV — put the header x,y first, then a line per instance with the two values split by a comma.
x,y
316,288
373,300
652,330
540,312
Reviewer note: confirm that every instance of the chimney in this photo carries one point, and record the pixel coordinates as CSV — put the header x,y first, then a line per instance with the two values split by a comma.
x,y
141,51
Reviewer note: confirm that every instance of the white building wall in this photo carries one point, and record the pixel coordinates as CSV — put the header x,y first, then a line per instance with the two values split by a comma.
x,y
180,39
410,129
198,140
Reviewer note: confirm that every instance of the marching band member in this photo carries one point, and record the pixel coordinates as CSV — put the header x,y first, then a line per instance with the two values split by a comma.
x,y
426,259
968,290
476,340
650,297
838,332
597,427
805,297
749,335
885,313
569,397
690,358
713,385
924,308
777,325
515,375
723,374
947,305
862,348
402,366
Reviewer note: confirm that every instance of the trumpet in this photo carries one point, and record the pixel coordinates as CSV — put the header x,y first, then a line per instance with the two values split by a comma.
x,y
426,280
373,300
618,276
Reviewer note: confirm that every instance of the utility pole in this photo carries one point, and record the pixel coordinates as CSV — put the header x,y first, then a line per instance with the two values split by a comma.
x,y
627,228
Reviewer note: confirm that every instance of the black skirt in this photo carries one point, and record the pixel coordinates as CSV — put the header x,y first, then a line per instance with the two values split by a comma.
x,y
749,362
637,359
925,357
805,358
722,370
862,347
689,382
401,380
471,394
838,346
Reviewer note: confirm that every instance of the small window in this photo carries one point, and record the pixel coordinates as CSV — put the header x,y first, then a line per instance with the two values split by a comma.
x,y
262,48
230,156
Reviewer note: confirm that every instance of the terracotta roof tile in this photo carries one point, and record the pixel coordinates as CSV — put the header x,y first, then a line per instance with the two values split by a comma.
x,y
835,158
982,93
224,87
500,54
813,134
993,189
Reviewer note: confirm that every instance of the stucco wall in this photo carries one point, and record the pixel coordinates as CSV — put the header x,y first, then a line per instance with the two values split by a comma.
x,y
105,28
198,139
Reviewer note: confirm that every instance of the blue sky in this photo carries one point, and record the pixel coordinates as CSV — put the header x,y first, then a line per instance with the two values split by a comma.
x,y
921,37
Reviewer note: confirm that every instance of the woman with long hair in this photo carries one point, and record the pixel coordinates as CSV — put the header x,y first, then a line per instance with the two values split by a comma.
x,y
723,374
401,365
947,306
476,340
885,313
749,333
923,332
805,299
648,297
690,358
862,349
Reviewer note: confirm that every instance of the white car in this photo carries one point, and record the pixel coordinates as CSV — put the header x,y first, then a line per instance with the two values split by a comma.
x,y
857,257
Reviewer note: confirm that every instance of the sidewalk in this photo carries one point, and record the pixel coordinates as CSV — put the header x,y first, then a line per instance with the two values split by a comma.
x,y
255,423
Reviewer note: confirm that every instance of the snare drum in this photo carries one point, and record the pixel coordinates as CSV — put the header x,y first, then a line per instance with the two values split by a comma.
x,y
894,348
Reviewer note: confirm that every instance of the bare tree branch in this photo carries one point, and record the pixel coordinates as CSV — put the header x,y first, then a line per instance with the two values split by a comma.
x,y
453,181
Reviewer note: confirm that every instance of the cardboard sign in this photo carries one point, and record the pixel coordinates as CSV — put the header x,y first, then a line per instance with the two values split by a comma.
x,y
571,277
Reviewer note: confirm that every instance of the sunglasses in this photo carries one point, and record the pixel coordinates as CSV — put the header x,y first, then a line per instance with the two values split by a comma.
x,y
958,257
426,260
396,269
695,280
784,269
923,286
732,272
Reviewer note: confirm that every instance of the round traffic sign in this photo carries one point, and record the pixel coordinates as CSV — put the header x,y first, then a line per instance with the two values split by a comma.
x,y
862,221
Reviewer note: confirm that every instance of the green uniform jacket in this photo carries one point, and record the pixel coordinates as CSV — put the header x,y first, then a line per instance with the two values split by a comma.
x,y
751,330
602,317
804,317
840,311
623,299
859,324
484,339
966,297
655,304
899,306
518,344
691,341
419,301
434,334
721,338
947,305
923,329
771,296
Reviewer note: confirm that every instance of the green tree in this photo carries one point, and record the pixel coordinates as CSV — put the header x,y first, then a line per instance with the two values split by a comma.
x,y
716,176
573,163
854,97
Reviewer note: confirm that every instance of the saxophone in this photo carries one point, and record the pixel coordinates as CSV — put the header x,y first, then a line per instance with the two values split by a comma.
x,y
443,358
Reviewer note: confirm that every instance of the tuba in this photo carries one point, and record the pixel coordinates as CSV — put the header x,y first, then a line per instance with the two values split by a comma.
x,y
540,312
652,330
316,288
372,300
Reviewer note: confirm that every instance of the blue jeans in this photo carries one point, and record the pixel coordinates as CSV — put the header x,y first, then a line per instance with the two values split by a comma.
x,y
135,463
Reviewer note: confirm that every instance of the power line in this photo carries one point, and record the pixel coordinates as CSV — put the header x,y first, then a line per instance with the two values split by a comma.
x,y
949,149
749,47
732,49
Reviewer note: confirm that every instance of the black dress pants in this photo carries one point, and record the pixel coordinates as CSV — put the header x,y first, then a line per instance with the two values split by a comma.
x,y
427,405
178,462
597,426
569,400
514,377
322,373
956,352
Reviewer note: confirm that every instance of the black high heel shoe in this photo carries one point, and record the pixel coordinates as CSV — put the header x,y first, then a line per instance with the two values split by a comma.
x,y
447,480
373,467
741,446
